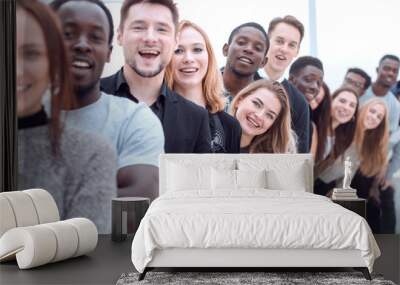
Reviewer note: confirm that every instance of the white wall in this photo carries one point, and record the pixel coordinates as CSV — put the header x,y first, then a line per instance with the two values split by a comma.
x,y
356,33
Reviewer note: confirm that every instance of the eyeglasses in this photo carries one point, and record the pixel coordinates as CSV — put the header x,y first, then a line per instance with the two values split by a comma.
x,y
354,83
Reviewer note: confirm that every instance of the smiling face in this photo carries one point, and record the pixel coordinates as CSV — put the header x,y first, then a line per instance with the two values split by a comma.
x,y
285,45
148,38
343,107
309,81
388,71
374,116
355,81
86,33
32,64
257,112
190,61
246,53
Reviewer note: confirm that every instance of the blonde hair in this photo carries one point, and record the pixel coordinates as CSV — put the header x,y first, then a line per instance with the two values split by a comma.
x,y
212,81
372,144
279,137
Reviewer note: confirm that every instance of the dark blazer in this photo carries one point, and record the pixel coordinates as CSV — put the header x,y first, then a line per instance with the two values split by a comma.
x,y
300,112
186,126
232,131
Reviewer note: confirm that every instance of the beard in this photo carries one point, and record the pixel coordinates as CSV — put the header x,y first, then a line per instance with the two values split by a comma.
x,y
147,73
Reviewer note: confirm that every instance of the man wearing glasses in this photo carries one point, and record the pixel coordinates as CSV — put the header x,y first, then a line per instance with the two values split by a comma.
x,y
357,79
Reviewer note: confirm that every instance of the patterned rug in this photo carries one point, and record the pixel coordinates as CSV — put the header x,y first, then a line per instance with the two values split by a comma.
x,y
243,278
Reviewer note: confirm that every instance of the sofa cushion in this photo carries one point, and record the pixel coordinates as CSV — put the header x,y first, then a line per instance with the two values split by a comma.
x,y
37,245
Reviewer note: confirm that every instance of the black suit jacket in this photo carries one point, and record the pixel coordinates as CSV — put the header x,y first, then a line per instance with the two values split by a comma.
x,y
232,132
186,125
300,112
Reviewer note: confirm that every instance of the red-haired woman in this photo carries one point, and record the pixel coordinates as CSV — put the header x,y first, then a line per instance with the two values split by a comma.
x,y
194,74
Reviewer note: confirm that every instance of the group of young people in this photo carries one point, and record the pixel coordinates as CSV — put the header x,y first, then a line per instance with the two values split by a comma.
x,y
95,138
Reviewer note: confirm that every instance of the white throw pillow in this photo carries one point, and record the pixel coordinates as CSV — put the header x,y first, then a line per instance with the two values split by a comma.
x,y
193,173
226,179
223,179
281,180
251,178
283,171
182,177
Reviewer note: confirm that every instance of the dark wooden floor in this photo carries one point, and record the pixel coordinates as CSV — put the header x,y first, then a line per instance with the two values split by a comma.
x,y
106,264
389,262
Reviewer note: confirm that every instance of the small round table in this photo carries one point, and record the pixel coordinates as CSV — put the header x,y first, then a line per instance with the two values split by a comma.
x,y
127,212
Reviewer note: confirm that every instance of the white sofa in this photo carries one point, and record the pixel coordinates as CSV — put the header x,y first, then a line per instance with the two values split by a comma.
x,y
31,231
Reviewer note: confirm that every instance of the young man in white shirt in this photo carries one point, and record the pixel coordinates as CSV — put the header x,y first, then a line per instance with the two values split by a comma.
x,y
285,36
